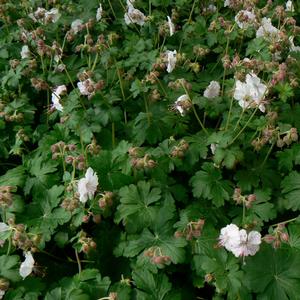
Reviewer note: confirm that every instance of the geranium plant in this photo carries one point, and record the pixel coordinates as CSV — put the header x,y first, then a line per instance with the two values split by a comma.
x,y
149,150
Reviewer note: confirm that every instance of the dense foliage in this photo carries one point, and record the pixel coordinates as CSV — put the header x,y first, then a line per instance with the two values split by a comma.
x,y
149,150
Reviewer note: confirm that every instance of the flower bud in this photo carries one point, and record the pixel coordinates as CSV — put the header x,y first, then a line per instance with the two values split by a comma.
x,y
284,237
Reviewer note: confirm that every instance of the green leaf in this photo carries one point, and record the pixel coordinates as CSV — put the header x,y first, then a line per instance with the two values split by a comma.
x,y
291,189
274,274
137,205
150,286
294,236
13,177
55,294
9,267
209,184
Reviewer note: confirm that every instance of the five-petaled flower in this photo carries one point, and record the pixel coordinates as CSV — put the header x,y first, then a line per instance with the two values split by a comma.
x,y
238,241
87,186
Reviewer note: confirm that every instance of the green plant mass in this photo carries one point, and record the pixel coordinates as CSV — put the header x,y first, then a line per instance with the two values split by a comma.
x,y
149,150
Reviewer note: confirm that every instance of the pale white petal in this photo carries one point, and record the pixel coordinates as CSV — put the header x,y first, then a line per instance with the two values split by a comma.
x,y
213,90
4,227
27,265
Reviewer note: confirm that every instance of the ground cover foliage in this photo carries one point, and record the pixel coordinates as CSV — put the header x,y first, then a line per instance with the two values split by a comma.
x,y
149,150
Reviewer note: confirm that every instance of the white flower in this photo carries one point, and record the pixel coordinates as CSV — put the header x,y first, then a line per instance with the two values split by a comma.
x,y
170,60
86,87
76,25
244,18
213,90
289,6
134,15
211,8
267,30
56,97
182,104
53,15
2,293
249,243
25,52
250,93
171,26
38,14
227,3
213,148
99,13
293,48
229,237
27,265
238,241
87,186
4,227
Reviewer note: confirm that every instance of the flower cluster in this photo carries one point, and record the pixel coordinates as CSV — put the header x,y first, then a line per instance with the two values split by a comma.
x,y
250,93
238,241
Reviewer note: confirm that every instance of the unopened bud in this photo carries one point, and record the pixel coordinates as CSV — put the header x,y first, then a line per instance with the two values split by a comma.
x,y
284,237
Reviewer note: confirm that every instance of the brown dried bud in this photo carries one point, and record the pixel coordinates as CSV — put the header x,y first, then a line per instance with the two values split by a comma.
x,y
4,284
69,159
97,219
269,239
284,237
178,234
85,218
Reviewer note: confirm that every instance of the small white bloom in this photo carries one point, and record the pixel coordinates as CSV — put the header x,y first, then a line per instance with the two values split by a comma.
x,y
56,97
25,52
4,227
227,3
76,25
293,48
171,26
182,104
267,30
289,6
39,14
87,186
213,90
86,87
211,8
249,243
27,265
238,241
213,148
2,293
170,60
134,15
53,15
99,13
250,93
229,237
244,18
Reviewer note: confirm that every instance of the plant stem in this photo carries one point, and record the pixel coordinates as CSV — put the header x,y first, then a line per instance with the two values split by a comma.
x,y
268,154
198,119
122,92
194,110
285,222
245,126
229,114
147,110
78,261
239,120
113,134
111,7
191,12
